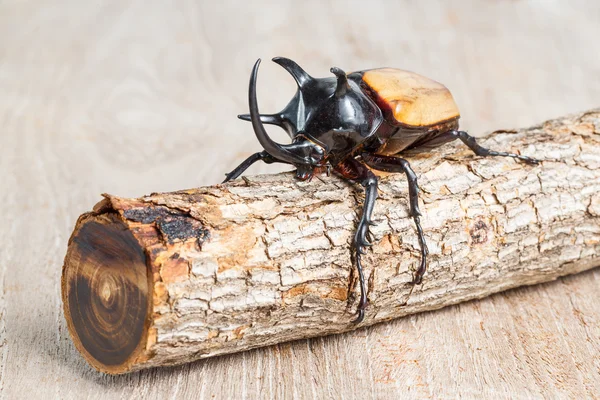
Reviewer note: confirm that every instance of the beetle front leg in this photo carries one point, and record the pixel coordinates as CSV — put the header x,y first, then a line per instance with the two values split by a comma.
x,y
471,142
261,155
397,164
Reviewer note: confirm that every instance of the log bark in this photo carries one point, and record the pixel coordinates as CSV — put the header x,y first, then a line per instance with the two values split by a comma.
x,y
174,277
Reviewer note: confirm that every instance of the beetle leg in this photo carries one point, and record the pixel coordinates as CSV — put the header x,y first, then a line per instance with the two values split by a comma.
x,y
369,181
261,155
482,151
396,164
357,171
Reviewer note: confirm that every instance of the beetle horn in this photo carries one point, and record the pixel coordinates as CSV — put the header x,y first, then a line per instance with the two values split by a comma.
x,y
294,69
273,148
342,81
273,119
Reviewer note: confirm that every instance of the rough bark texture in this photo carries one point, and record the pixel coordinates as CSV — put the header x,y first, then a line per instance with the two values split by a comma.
x,y
266,259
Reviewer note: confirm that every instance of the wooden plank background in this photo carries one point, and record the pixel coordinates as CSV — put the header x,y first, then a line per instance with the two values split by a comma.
x,y
130,97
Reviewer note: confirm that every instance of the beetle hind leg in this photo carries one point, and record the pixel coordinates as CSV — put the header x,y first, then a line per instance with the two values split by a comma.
x,y
415,213
471,142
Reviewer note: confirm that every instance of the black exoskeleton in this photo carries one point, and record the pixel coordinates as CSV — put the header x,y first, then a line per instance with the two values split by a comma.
x,y
357,122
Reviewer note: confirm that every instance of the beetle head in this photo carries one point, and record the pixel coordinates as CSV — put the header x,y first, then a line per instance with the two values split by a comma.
x,y
327,118
300,152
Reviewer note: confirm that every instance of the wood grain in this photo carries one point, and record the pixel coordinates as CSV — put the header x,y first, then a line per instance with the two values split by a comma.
x,y
267,259
131,97
105,285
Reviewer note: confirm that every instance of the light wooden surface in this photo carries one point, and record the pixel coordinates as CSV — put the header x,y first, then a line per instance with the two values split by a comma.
x,y
89,93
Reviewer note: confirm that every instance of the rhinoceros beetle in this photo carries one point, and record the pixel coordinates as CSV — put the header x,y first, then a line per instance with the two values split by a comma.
x,y
357,122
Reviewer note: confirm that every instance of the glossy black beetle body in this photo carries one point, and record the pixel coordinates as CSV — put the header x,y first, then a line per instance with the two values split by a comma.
x,y
355,122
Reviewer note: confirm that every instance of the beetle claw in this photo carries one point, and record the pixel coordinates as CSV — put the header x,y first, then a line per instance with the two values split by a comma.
x,y
362,302
530,160
360,317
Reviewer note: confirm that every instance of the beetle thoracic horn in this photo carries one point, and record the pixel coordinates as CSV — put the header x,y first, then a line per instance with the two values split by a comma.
x,y
273,148
294,69
342,81
273,119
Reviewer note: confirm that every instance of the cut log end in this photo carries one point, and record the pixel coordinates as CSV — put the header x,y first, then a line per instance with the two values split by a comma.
x,y
105,293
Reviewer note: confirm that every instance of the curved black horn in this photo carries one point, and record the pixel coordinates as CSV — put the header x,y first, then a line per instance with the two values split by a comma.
x,y
272,147
294,69
273,119
342,81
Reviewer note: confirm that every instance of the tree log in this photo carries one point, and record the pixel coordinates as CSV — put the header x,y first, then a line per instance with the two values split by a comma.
x,y
174,277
